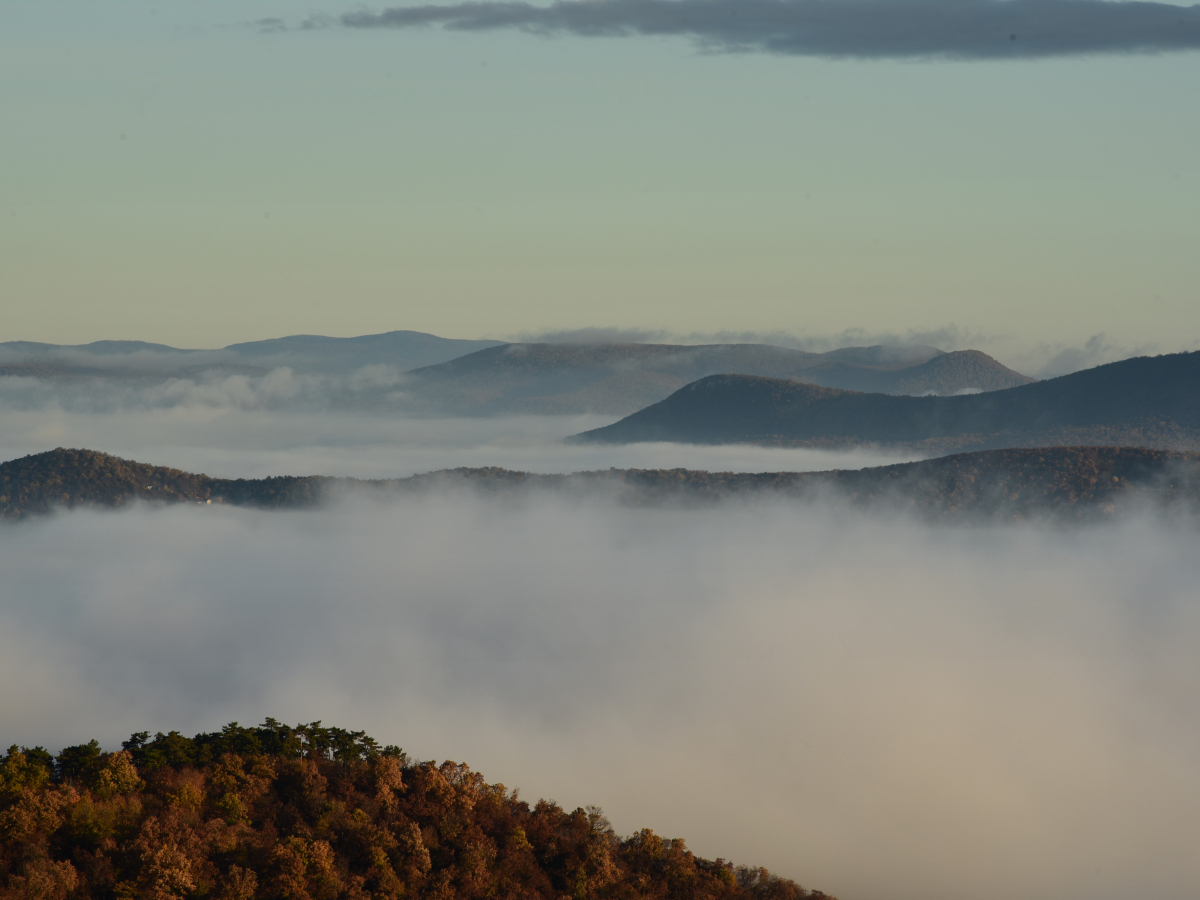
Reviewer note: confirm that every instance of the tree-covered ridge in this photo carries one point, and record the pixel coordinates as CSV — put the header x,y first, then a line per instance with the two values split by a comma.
x,y
68,478
315,813
1013,483
1070,482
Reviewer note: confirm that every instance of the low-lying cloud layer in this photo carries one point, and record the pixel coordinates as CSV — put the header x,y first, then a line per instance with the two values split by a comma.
x,y
377,386
957,29
239,443
876,708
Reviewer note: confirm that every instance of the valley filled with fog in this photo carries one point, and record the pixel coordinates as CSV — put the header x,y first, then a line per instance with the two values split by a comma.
x,y
867,704
803,688
235,442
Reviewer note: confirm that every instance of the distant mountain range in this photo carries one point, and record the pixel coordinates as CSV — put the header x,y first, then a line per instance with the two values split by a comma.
x,y
621,378
426,374
303,352
1063,482
1146,401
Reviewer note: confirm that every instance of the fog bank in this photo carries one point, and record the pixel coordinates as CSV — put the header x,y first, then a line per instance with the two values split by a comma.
x,y
234,443
873,707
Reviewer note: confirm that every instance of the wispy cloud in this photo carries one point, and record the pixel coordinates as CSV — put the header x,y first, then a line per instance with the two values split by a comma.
x,y
1041,359
949,337
952,29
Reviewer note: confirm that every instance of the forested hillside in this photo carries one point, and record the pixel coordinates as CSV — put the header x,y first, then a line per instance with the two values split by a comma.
x,y
67,478
1064,482
314,813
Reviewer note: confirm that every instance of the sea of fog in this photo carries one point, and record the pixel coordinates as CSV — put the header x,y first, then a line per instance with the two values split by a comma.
x,y
238,443
875,707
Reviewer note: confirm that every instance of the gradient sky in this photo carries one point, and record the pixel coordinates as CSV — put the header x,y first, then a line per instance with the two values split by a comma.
x,y
170,172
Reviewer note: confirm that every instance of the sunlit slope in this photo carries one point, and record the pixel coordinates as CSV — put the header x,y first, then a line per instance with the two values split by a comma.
x,y
1063,481
1147,401
318,812
621,378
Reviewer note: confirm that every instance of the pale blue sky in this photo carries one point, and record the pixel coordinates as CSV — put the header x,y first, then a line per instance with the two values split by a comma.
x,y
171,173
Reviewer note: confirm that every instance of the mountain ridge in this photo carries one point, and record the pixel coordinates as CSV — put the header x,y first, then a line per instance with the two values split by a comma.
x,y
1144,401
1015,483
417,373
404,349
622,378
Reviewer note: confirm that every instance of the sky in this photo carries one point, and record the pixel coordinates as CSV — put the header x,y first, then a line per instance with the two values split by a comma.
x,y
178,173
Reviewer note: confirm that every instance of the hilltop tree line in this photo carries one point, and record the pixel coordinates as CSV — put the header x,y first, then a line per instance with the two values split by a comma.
x,y
308,812
67,478
1015,483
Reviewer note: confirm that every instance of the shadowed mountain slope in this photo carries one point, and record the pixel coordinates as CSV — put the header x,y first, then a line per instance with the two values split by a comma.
x,y
961,371
1070,482
621,378
1146,401
403,349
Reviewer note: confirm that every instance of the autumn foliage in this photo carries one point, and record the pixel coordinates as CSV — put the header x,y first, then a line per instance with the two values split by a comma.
x,y
313,813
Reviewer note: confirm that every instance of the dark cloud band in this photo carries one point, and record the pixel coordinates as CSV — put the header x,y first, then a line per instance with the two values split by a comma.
x,y
967,29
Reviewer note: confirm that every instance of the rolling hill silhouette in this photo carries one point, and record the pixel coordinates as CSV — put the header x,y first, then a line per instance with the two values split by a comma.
x,y
1146,401
621,378
412,372
304,352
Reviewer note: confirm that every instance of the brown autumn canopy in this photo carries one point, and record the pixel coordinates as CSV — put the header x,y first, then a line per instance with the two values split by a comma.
x,y
315,813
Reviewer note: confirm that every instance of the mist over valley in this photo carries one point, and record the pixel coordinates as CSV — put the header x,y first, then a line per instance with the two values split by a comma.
x,y
797,657
419,374
948,702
